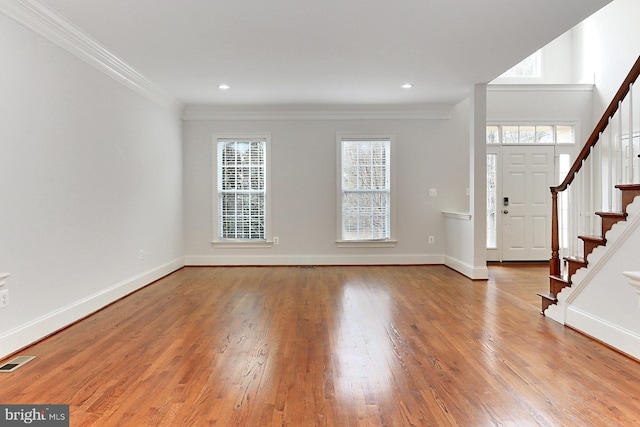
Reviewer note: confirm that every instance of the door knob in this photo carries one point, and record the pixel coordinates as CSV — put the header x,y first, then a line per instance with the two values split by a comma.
x,y
505,211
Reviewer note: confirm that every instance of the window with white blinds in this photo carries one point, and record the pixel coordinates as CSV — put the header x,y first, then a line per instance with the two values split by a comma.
x,y
365,188
242,189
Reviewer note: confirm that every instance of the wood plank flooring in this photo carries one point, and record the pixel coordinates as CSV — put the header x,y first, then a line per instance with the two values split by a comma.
x,y
330,346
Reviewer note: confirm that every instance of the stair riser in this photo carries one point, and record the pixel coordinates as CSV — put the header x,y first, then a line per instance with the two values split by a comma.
x,y
557,284
607,223
629,192
546,303
627,198
575,266
589,247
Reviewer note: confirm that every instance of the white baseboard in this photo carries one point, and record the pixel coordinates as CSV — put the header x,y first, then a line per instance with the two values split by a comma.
x,y
29,333
212,260
474,273
617,337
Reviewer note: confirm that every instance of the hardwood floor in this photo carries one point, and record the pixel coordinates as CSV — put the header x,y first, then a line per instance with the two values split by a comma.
x,y
330,346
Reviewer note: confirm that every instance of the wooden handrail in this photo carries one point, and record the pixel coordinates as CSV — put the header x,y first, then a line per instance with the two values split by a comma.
x,y
554,262
600,127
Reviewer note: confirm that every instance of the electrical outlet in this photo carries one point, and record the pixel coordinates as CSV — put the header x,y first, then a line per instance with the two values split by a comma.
x,y
433,192
141,254
432,239
276,240
4,298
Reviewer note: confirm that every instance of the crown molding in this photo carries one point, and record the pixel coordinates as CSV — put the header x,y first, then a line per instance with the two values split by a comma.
x,y
578,87
310,112
53,27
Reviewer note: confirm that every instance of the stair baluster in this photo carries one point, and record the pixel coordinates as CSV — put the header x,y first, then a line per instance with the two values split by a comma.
x,y
592,204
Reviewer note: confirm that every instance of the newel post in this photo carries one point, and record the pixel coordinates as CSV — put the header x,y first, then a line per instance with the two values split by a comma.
x,y
554,262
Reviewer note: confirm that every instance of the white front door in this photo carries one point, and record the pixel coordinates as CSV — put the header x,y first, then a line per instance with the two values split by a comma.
x,y
525,209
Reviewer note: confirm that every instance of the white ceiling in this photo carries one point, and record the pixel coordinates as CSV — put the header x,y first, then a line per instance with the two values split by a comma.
x,y
322,52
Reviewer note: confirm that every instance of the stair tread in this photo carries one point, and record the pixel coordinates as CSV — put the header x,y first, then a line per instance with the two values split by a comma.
x,y
577,259
613,214
593,238
559,278
628,186
548,295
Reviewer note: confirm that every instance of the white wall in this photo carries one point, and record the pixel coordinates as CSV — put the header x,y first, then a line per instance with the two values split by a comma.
x,y
557,65
465,229
543,104
608,308
90,174
429,154
600,301
609,42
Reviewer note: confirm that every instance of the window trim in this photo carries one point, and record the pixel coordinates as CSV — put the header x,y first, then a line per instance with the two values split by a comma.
x,y
366,243
575,124
495,150
217,241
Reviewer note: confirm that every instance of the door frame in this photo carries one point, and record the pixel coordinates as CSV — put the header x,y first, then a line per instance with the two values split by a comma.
x,y
497,253
495,147
535,201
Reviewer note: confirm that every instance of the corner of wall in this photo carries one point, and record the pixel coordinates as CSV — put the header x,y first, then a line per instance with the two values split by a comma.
x,y
43,326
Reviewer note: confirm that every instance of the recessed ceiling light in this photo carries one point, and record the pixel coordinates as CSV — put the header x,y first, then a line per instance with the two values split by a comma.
x,y
407,86
223,87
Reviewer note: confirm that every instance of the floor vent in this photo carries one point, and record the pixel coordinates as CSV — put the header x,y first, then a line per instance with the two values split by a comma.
x,y
14,364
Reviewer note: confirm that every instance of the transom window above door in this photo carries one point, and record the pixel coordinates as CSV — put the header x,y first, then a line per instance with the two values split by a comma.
x,y
530,134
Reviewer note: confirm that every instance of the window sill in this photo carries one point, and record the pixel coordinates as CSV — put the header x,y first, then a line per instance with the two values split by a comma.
x,y
242,244
366,243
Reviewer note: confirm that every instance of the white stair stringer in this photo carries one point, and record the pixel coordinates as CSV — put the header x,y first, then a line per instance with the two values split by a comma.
x,y
596,260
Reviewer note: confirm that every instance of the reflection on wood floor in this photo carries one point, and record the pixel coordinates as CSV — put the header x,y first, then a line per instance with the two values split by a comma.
x,y
330,346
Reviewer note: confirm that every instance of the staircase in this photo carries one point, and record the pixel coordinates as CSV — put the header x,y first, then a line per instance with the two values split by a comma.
x,y
558,282
595,194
